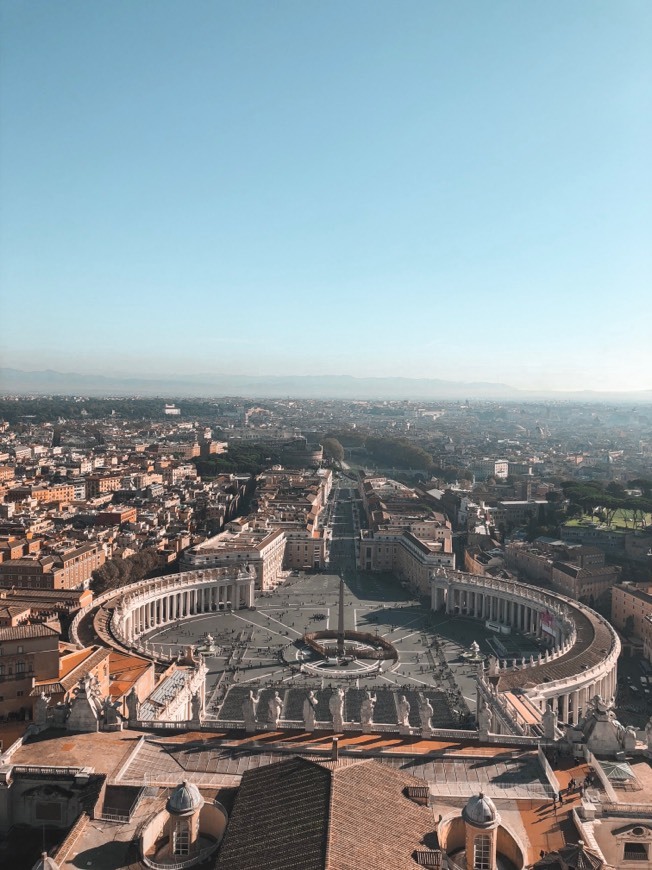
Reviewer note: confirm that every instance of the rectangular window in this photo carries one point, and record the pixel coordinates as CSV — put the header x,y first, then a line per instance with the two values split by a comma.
x,y
635,852
181,844
481,852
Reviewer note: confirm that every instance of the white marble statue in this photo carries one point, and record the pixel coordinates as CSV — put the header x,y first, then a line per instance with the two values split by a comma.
x,y
648,733
196,707
132,705
310,711
629,738
41,710
275,707
403,708
249,708
111,716
484,721
426,712
336,707
367,709
549,722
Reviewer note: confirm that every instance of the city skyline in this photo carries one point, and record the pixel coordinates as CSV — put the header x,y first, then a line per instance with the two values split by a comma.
x,y
449,192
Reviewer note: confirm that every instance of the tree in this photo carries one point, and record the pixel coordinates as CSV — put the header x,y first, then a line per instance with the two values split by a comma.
x,y
643,484
120,572
333,449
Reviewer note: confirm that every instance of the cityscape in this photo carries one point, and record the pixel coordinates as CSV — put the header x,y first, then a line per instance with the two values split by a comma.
x,y
195,593
326,435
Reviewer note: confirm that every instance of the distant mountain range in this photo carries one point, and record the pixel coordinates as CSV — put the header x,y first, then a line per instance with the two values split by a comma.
x,y
49,382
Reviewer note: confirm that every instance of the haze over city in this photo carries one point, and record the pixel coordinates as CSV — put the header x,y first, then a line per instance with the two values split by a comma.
x,y
432,190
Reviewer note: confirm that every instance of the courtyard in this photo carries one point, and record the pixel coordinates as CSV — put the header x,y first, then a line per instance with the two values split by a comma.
x,y
262,649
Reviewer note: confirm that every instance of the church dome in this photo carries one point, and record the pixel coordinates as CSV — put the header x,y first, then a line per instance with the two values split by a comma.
x,y
185,799
45,863
481,812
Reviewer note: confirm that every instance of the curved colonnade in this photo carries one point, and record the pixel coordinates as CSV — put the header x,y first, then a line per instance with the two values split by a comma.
x,y
582,657
155,603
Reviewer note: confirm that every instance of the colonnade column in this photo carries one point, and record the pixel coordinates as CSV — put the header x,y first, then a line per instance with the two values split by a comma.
x,y
564,708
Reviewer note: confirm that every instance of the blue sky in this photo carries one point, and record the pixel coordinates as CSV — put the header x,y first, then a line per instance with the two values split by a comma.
x,y
432,189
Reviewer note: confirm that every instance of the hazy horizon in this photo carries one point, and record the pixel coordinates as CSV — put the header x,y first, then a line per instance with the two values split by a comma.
x,y
451,191
300,386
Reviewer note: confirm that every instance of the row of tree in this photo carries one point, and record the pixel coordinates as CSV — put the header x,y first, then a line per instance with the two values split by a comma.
x,y
389,452
594,498
120,572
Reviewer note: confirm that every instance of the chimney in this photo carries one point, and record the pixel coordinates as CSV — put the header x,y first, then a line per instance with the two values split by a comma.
x,y
335,749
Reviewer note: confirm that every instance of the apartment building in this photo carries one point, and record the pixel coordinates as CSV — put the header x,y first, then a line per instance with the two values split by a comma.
x,y
241,545
25,651
498,468
68,569
42,494
584,584
630,607
513,513
99,484
305,550
116,516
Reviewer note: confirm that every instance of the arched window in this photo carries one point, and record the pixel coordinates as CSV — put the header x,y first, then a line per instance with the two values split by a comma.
x,y
482,852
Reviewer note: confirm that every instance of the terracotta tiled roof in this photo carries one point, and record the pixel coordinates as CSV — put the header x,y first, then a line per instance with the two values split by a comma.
x,y
280,819
306,815
23,632
372,821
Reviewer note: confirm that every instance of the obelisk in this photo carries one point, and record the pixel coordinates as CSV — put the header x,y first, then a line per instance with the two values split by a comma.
x,y
340,621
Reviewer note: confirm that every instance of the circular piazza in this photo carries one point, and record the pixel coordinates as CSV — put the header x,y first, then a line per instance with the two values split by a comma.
x,y
518,648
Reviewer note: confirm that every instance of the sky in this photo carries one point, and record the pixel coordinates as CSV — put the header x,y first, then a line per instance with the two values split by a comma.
x,y
438,189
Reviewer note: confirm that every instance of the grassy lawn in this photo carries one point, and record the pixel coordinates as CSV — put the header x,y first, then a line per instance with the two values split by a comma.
x,y
622,519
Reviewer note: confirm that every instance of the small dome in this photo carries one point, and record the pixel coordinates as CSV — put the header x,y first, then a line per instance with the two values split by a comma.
x,y
185,799
481,812
45,863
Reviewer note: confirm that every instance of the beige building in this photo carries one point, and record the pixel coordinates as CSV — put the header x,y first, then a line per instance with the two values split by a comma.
x,y
67,569
304,549
260,547
411,558
584,584
630,605
26,652
98,484
405,535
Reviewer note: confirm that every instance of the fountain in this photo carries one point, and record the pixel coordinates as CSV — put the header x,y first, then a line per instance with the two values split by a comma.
x,y
473,654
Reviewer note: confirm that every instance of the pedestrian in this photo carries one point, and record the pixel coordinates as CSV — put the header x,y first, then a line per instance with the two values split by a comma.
x,y
560,798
